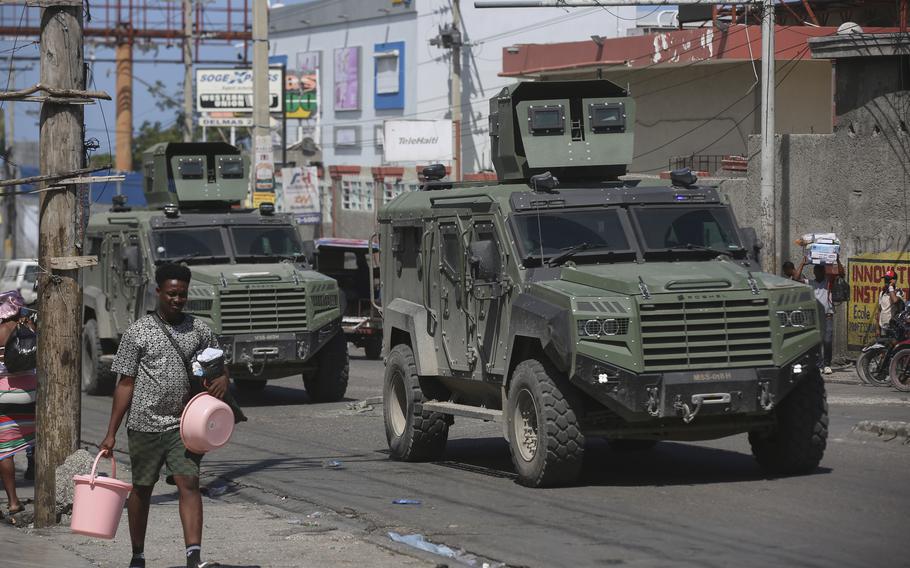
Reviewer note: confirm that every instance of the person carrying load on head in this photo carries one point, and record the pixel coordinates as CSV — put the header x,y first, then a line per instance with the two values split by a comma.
x,y
17,400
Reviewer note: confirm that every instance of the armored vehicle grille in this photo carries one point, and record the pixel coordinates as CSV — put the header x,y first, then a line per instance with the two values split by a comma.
x,y
681,336
262,309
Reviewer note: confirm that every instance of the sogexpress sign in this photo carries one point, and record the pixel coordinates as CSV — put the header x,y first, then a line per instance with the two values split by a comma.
x,y
417,140
232,90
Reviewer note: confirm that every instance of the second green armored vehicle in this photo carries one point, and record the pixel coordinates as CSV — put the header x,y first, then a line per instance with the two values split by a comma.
x,y
273,315
567,304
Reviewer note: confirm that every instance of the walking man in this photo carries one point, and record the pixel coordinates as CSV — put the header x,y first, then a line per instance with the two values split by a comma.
x,y
154,389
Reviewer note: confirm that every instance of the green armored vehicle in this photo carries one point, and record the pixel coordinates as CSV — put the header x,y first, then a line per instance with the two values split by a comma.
x,y
567,304
273,315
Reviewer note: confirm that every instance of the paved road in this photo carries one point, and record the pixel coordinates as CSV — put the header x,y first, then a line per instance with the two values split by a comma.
x,y
699,504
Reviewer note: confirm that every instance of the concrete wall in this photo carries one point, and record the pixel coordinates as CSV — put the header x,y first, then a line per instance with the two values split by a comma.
x,y
854,183
713,109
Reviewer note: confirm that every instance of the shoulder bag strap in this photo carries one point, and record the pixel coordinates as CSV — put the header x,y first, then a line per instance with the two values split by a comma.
x,y
186,363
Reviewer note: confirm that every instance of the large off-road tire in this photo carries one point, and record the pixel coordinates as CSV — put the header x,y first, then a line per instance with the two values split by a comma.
x,y
249,385
899,371
872,367
372,346
330,381
97,378
624,445
545,437
413,433
797,442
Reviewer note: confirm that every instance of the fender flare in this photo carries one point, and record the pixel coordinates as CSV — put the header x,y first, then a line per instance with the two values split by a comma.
x,y
94,298
411,318
550,324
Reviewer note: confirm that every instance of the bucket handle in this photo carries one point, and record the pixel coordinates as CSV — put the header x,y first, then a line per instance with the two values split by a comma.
x,y
95,466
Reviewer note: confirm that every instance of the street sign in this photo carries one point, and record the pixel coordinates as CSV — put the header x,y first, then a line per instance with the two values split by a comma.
x,y
220,90
240,121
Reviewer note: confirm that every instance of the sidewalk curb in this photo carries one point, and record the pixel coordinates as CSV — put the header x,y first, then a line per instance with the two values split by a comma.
x,y
886,429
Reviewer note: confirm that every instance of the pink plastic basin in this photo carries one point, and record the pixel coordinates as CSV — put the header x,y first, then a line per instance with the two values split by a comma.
x,y
98,502
206,423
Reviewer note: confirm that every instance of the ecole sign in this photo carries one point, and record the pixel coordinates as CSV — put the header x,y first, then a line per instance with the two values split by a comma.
x,y
417,140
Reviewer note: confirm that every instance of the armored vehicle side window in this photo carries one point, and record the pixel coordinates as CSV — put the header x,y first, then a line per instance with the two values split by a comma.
x,y
406,245
554,233
485,232
262,241
451,251
193,243
94,246
680,227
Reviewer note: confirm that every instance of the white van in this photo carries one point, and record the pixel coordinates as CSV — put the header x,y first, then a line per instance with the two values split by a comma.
x,y
21,275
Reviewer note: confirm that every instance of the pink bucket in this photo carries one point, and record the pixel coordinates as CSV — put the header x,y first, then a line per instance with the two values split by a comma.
x,y
206,423
98,502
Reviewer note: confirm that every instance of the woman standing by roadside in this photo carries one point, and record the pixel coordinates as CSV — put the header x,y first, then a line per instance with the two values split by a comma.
x,y
17,404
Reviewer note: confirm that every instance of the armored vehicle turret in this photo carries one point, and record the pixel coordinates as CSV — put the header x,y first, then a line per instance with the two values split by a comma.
x,y
274,316
567,303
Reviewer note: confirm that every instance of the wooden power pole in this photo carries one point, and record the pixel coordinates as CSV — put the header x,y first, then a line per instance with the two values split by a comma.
x,y
58,409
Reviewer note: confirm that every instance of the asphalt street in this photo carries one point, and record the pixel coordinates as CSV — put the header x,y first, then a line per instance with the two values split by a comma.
x,y
699,504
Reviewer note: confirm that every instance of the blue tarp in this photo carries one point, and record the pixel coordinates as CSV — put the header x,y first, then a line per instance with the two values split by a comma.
x,y
102,192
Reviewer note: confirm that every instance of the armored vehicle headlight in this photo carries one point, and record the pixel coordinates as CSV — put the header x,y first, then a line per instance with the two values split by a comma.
x,y
603,327
593,327
796,318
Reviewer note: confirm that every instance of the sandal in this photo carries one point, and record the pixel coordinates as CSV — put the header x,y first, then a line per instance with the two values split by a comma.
x,y
10,511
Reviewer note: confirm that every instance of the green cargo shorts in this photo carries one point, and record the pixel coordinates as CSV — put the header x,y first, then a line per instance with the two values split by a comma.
x,y
150,450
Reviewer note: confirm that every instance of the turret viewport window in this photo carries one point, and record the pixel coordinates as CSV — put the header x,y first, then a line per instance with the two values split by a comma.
x,y
607,117
191,169
546,119
231,168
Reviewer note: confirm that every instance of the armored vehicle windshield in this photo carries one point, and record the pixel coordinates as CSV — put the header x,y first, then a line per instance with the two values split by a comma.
x,y
198,241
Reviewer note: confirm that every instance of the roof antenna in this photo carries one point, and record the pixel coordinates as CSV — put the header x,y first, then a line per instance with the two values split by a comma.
x,y
542,182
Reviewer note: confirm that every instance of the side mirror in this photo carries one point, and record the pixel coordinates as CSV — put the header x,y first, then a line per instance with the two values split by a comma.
x,y
131,259
484,260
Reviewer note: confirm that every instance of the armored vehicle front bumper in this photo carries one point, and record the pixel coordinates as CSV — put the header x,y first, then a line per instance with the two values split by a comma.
x,y
692,394
277,347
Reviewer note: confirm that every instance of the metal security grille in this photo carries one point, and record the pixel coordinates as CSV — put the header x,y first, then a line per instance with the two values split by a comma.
x,y
706,334
262,310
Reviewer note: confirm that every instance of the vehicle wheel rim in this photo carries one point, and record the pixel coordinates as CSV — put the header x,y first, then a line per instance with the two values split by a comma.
x,y
524,425
875,368
398,405
903,370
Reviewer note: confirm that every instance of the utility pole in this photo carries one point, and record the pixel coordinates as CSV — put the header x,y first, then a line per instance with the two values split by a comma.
x,y
768,212
456,87
123,54
58,409
450,38
6,146
263,160
188,70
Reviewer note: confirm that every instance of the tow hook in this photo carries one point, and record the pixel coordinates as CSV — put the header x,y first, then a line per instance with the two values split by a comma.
x,y
765,397
653,405
688,415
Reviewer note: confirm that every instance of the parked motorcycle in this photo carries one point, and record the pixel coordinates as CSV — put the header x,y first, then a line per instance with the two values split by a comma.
x,y
899,368
874,365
